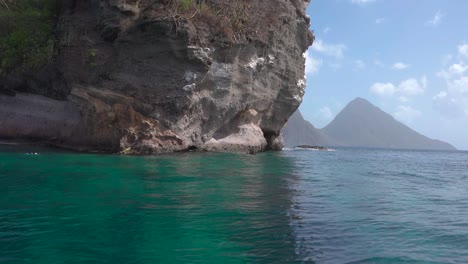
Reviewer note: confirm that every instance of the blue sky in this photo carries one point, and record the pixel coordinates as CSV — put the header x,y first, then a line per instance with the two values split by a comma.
x,y
408,57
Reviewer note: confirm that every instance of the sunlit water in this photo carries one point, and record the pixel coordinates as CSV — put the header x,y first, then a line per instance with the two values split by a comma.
x,y
297,206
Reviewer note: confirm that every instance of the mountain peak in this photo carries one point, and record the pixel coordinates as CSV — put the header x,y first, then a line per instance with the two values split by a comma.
x,y
359,101
362,124
359,124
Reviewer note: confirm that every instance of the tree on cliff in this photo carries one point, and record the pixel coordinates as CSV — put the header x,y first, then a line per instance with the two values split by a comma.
x,y
26,33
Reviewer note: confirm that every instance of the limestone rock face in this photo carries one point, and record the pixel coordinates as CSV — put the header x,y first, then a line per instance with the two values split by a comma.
x,y
146,77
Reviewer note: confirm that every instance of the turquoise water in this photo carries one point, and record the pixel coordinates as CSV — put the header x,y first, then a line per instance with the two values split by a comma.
x,y
347,206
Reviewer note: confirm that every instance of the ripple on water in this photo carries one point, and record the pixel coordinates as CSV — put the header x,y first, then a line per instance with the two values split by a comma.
x,y
347,206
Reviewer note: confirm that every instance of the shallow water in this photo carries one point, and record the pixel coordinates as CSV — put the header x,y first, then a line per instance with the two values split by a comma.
x,y
298,206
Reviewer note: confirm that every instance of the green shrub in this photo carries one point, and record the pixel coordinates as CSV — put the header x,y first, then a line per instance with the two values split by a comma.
x,y
26,34
91,57
186,4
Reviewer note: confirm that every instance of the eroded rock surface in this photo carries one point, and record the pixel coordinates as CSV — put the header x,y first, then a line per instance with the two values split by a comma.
x,y
144,80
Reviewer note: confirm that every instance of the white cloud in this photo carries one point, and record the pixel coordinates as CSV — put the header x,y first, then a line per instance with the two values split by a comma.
x,y
383,89
453,100
359,65
448,106
405,89
335,66
403,99
458,68
446,59
326,30
326,113
436,20
412,87
459,86
312,65
379,64
380,20
440,96
406,114
453,71
463,50
335,50
424,82
400,66
362,2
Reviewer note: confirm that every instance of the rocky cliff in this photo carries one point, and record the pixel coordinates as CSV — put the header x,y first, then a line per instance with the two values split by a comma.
x,y
154,76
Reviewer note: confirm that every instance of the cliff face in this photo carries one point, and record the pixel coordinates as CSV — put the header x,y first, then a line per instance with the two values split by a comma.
x,y
157,76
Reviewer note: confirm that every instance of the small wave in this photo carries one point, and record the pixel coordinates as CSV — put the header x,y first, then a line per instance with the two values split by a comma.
x,y
308,149
387,260
9,143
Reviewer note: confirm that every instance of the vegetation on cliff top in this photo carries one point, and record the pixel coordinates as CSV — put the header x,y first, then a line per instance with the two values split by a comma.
x,y
26,34
27,26
233,21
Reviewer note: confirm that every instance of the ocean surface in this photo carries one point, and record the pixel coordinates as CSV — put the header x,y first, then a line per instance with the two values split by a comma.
x,y
296,206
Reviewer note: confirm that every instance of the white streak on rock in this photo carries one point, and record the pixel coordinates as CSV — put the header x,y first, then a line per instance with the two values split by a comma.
x,y
190,87
255,62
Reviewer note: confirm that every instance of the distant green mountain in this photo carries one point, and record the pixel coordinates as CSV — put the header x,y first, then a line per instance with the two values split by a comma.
x,y
361,124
